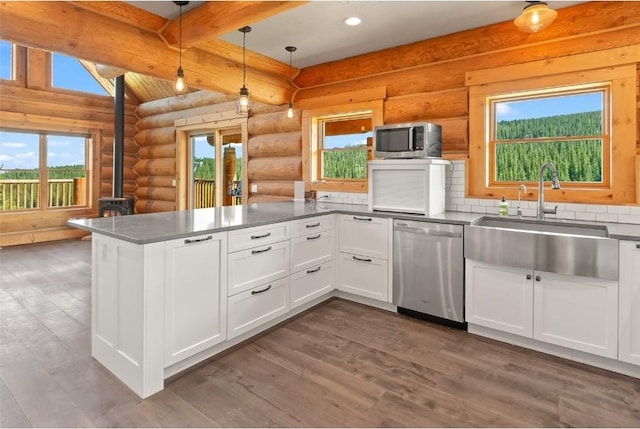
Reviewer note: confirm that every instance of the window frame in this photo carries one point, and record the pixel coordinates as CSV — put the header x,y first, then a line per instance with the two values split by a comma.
x,y
602,87
620,156
311,155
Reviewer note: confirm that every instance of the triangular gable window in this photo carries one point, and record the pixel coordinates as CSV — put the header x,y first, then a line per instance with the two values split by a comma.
x,y
68,73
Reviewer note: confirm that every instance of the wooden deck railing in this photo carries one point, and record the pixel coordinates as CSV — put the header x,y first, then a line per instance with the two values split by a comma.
x,y
204,193
20,194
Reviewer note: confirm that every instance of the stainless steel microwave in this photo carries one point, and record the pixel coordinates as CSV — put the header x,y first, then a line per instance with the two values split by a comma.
x,y
412,140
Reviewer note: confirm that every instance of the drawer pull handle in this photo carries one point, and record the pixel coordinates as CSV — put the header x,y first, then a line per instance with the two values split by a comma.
x,y
255,252
637,246
362,259
368,219
537,278
313,225
315,237
255,292
256,237
314,270
528,276
198,240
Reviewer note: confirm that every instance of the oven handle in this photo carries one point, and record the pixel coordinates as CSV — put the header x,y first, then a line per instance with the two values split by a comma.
x,y
426,231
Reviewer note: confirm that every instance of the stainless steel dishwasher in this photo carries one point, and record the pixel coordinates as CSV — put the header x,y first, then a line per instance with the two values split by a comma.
x,y
428,271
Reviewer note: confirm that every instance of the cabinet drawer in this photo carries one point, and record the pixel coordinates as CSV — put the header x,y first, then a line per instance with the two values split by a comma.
x,y
253,267
311,283
247,238
364,276
252,308
364,235
311,250
311,225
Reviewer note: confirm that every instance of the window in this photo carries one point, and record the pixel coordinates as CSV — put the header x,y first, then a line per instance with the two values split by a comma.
x,y
344,147
6,60
583,121
41,171
567,126
68,73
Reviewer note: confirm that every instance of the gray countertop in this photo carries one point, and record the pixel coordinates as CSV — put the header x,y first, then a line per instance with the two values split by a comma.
x,y
155,227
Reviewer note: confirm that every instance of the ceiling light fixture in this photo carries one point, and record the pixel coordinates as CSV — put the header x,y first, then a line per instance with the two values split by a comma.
x,y
291,50
243,102
352,21
534,17
181,83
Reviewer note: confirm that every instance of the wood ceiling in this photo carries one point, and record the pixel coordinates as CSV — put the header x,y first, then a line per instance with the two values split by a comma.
x,y
124,37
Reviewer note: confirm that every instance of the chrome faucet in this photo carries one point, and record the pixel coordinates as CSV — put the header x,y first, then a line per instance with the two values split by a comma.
x,y
523,189
555,184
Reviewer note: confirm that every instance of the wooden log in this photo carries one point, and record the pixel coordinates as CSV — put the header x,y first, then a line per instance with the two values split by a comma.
x,y
277,188
273,123
591,17
427,106
128,188
130,146
157,151
275,145
286,168
129,160
159,167
190,101
153,206
257,198
98,103
167,119
156,181
455,134
106,173
157,136
156,193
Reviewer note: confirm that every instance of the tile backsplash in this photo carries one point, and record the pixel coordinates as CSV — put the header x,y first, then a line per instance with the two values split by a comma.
x,y
456,201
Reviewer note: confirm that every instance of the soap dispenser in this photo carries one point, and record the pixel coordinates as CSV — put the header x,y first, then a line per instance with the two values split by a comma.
x,y
503,207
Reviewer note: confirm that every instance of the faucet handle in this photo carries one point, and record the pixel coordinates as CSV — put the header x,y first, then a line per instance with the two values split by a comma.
x,y
550,210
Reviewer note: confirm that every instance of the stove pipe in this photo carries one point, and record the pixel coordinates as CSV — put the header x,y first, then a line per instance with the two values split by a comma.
x,y
118,137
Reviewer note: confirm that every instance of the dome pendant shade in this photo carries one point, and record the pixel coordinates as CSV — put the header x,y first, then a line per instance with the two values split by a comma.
x,y
535,17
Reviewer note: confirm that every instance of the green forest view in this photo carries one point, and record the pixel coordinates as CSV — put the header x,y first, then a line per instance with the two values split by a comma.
x,y
575,160
205,168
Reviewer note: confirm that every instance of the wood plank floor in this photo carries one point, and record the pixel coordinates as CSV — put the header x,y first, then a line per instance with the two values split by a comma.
x,y
339,365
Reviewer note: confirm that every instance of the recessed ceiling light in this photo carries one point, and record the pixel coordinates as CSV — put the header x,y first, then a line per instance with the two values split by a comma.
x,y
352,20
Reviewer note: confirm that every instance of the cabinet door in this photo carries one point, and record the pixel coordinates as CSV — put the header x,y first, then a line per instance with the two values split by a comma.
x,y
629,317
311,250
364,235
252,308
254,267
311,283
364,276
312,225
576,312
195,314
499,297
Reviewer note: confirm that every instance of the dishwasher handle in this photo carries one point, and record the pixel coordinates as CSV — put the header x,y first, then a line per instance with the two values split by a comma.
x,y
427,231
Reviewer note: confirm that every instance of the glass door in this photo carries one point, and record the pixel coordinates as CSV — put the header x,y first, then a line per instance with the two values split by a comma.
x,y
216,168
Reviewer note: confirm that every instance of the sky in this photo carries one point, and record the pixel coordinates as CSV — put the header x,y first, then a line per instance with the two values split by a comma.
x,y
543,107
20,150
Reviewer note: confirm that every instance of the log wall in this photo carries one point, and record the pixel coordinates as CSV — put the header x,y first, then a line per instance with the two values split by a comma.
x,y
33,103
273,149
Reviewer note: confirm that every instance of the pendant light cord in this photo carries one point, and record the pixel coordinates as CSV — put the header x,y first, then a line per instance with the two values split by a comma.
x,y
290,82
180,41
244,64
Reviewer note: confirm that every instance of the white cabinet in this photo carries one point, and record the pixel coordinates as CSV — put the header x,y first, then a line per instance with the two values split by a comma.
x,y
499,297
252,308
629,311
247,238
313,250
364,254
364,276
364,235
312,283
576,312
195,310
256,266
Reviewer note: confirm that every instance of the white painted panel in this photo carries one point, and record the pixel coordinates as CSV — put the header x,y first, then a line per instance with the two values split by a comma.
x,y
253,267
364,235
629,316
364,276
246,238
131,306
311,283
311,250
499,297
105,291
312,225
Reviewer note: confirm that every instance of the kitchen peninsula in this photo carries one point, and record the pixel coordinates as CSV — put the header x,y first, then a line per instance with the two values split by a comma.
x,y
175,288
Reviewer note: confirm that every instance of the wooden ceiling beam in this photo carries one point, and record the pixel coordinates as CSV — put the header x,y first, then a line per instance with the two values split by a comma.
x,y
126,13
214,18
109,41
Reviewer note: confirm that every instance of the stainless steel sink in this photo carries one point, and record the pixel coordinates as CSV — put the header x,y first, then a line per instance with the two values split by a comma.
x,y
553,246
544,226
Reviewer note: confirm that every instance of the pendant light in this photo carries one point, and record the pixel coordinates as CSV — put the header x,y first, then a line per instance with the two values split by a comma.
x,y
243,102
291,50
181,83
535,17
